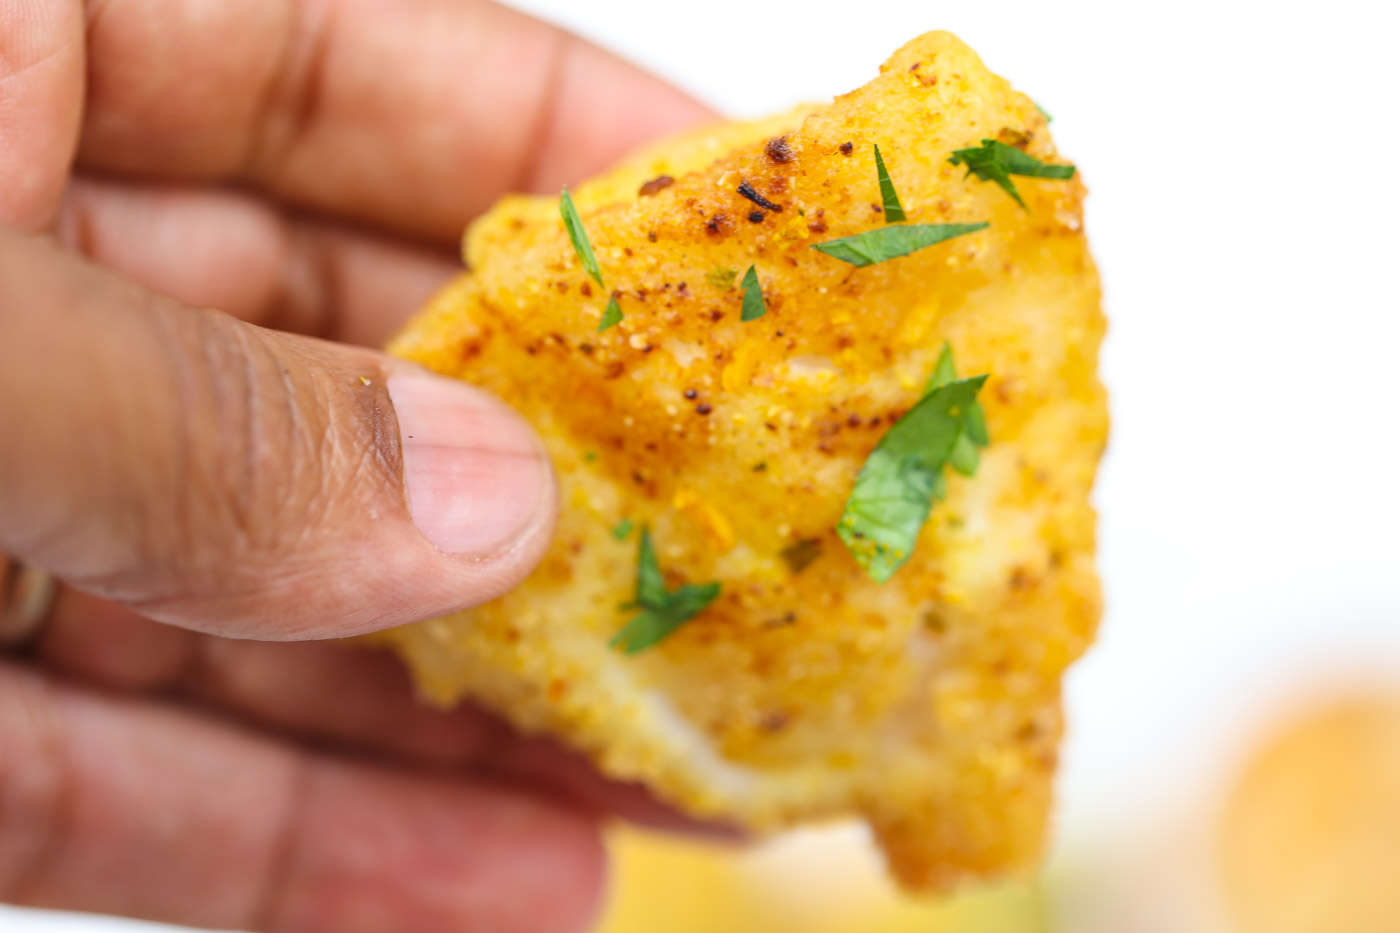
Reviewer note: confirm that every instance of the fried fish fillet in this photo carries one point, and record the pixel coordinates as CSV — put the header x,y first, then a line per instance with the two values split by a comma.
x,y
928,705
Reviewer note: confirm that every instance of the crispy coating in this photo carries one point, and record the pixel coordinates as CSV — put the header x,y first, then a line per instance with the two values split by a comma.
x,y
928,705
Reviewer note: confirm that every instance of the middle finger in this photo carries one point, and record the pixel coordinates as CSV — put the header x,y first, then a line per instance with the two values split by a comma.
x,y
234,251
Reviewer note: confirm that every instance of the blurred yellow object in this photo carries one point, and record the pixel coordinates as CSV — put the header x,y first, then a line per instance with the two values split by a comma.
x,y
1312,835
822,881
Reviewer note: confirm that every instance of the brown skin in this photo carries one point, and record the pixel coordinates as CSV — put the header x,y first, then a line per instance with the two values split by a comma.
x,y
305,166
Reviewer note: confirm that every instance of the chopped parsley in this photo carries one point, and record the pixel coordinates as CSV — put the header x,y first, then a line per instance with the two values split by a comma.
x,y
721,278
754,308
964,457
663,610
903,476
800,554
872,246
622,529
612,314
579,237
894,211
996,161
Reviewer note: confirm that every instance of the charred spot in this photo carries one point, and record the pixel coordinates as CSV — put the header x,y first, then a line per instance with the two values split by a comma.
x,y
779,150
627,251
935,622
877,208
786,619
651,236
845,342
718,223
586,290
847,148
614,369
775,721
853,421
915,66
747,190
470,350
691,394
1021,580
704,408
586,349
716,316
771,426
757,217
682,288
659,183
638,478
874,422
562,286
642,293
816,226
1014,138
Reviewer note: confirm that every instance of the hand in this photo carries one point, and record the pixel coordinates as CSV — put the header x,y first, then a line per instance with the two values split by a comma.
x,y
205,486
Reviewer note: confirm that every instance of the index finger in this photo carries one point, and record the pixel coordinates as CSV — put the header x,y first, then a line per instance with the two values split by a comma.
x,y
410,114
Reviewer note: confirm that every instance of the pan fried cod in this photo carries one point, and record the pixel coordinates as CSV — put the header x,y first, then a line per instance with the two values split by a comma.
x,y
928,705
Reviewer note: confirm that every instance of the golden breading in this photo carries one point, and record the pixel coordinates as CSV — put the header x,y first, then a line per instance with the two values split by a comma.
x,y
928,705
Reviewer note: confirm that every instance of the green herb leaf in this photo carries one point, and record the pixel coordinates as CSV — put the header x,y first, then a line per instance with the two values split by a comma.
x,y
589,456
663,611
896,488
894,211
721,277
995,161
579,236
964,457
612,315
872,246
622,529
761,466
754,308
800,554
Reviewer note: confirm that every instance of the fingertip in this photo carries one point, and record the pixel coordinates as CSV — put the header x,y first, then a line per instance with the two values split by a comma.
x,y
604,108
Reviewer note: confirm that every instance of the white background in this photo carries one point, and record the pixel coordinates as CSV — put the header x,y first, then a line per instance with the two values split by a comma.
x,y
1242,161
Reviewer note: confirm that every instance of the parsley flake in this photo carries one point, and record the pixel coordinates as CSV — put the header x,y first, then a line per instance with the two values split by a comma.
x,y
622,529
721,277
894,211
996,161
899,482
579,237
612,315
800,554
964,457
872,246
754,308
663,611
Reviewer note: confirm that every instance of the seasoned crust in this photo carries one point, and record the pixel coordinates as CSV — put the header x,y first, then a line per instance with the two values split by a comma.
x,y
928,705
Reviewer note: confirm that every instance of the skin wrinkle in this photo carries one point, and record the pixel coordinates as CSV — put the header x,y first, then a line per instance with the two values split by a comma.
x,y
36,703
293,87
546,110
275,888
